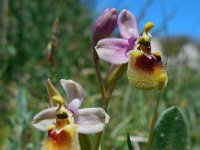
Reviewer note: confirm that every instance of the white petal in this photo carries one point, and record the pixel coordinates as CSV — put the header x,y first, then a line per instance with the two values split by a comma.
x,y
45,118
91,120
73,90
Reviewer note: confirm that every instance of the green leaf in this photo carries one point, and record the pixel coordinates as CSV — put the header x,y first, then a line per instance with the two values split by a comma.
x,y
84,141
170,132
130,147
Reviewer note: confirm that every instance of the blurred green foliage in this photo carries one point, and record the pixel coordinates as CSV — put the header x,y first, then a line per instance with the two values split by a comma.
x,y
26,30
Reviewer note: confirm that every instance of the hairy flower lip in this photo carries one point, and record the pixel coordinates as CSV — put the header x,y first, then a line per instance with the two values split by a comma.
x,y
146,73
62,139
145,62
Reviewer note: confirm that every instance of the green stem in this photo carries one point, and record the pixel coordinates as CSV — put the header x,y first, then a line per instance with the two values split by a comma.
x,y
51,48
84,141
96,65
98,136
153,122
114,76
106,90
106,94
97,141
99,77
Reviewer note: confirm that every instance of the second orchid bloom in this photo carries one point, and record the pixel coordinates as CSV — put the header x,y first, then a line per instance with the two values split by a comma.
x,y
145,69
65,121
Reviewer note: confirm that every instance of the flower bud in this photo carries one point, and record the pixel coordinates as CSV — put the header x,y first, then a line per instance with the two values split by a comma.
x,y
105,24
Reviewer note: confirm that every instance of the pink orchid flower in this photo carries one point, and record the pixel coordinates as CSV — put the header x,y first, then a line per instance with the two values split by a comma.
x,y
88,120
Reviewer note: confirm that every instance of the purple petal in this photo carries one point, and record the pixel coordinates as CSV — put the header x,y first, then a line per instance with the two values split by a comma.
x,y
127,24
74,105
91,120
132,41
113,50
73,90
45,118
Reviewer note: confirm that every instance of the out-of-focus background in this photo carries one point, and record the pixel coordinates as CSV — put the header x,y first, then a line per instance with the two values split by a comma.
x,y
26,30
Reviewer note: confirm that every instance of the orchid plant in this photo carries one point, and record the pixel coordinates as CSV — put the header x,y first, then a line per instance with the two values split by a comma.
x,y
132,53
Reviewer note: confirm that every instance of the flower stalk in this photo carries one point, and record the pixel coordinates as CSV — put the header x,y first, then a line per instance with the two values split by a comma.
x,y
52,48
112,79
102,48
153,122
104,26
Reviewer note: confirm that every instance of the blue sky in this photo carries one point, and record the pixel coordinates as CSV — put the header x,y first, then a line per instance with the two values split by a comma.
x,y
176,17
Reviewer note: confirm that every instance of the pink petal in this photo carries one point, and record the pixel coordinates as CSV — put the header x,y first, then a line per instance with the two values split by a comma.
x,y
74,105
91,120
127,24
45,118
113,50
73,90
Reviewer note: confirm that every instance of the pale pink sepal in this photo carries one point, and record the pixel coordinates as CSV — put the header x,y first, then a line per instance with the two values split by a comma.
x,y
91,120
113,50
127,24
73,106
73,90
45,118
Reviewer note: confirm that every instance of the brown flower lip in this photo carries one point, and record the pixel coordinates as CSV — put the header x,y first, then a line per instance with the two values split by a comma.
x,y
146,64
59,138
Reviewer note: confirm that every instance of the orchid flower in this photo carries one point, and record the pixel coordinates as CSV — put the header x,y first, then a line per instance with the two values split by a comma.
x,y
145,68
65,121
114,50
